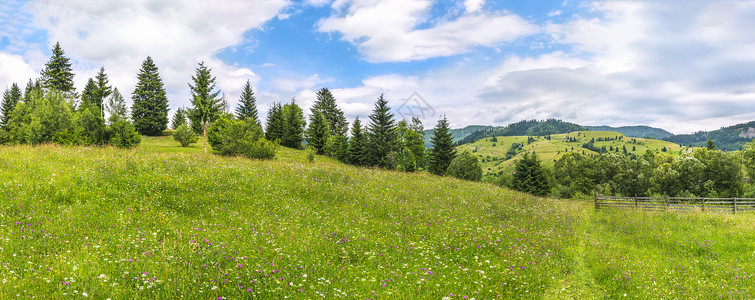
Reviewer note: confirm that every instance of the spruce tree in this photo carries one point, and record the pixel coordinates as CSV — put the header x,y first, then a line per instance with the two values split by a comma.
x,y
103,90
357,150
58,74
32,87
207,105
11,97
88,95
116,107
276,122
247,104
179,118
443,151
149,110
318,132
294,126
326,104
381,136
529,176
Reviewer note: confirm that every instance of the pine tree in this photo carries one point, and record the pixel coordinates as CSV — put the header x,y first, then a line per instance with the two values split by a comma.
x,y
32,87
179,118
294,126
530,176
247,104
207,105
357,150
443,151
326,104
88,95
318,132
149,110
381,136
116,107
103,90
276,122
11,97
58,74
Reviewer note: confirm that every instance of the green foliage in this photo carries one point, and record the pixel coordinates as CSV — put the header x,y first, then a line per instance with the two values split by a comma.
x,y
293,129
410,147
116,107
57,74
381,136
748,156
184,135
711,145
337,146
247,107
318,132
236,137
103,90
326,105
89,126
574,173
179,118
530,177
11,97
634,131
206,105
465,166
276,123
88,95
443,151
149,110
311,152
730,138
531,127
357,144
123,134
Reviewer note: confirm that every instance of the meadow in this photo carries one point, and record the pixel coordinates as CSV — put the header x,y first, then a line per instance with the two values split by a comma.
x,y
550,150
162,221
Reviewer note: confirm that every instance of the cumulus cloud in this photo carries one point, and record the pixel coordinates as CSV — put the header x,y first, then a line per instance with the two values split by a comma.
x,y
13,68
387,30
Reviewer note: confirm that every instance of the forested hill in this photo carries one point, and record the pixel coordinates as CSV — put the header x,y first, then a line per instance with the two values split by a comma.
x,y
525,127
640,131
730,138
456,134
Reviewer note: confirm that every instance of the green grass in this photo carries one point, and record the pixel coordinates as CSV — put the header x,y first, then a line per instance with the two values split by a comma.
x,y
157,223
556,147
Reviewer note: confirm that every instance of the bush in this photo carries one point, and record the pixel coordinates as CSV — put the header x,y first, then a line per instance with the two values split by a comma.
x,y
184,135
311,151
240,138
123,134
465,166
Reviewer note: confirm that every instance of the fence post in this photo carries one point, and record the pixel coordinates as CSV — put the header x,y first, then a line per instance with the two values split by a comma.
x,y
666,201
703,203
596,199
735,205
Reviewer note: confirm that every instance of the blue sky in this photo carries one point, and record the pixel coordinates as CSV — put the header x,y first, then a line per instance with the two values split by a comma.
x,y
681,66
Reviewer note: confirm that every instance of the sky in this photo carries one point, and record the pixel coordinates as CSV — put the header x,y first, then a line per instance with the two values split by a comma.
x,y
683,66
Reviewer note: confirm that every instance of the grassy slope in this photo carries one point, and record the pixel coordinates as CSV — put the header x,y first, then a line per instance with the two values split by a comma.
x,y
548,151
144,224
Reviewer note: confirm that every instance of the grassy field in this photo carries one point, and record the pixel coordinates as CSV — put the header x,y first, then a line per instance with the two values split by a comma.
x,y
494,153
167,222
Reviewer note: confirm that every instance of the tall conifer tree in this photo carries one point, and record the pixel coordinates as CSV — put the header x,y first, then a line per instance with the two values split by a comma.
x,y
326,104
443,151
88,95
318,132
103,90
357,144
381,136
207,105
294,127
247,104
58,74
11,97
149,110
276,123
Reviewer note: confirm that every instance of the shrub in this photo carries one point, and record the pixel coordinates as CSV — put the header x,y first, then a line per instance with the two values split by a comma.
x,y
240,138
311,151
465,166
123,134
184,135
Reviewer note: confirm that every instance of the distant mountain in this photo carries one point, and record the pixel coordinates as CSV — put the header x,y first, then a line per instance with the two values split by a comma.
x,y
635,131
524,128
730,138
456,134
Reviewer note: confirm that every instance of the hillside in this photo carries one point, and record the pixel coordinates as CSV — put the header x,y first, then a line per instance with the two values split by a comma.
x,y
493,154
531,128
639,131
730,138
456,134
167,222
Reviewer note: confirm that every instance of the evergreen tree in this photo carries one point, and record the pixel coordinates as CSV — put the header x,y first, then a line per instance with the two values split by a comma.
x,y
247,104
207,105
530,176
32,87
357,144
11,97
326,104
711,145
103,90
58,74
116,107
150,105
276,123
88,95
381,136
179,118
318,132
294,126
443,151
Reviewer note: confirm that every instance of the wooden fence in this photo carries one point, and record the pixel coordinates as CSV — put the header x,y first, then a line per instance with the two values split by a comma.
x,y
677,204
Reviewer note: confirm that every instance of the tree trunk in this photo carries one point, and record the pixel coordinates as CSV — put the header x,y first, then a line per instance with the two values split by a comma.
x,y
204,133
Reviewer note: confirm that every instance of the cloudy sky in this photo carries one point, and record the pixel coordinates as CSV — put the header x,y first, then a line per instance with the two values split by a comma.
x,y
680,65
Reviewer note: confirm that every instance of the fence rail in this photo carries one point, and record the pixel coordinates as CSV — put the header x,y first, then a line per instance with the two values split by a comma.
x,y
676,204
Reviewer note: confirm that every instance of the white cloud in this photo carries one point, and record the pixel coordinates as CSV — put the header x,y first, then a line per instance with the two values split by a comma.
x,y
178,34
473,5
386,31
13,68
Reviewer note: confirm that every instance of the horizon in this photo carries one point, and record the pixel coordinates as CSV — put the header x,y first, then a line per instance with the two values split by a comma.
x,y
679,68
